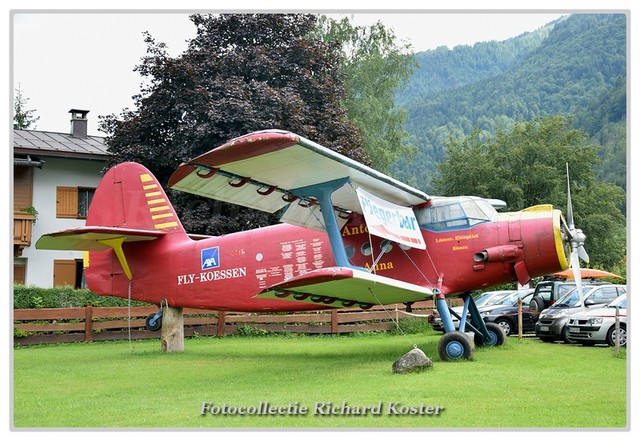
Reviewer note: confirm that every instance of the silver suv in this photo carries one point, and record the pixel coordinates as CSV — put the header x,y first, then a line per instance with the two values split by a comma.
x,y
598,325
552,324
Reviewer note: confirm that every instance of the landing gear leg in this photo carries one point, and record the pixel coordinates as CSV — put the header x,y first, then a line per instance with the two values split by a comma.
x,y
454,344
484,334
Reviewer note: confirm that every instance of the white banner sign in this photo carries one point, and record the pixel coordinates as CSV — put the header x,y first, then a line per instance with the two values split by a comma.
x,y
391,221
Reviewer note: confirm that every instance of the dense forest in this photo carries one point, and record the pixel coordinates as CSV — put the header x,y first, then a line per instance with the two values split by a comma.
x,y
575,66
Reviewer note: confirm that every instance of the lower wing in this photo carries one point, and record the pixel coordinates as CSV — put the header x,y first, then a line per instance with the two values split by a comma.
x,y
343,288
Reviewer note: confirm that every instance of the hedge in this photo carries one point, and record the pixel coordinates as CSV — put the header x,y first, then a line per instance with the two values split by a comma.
x,y
28,297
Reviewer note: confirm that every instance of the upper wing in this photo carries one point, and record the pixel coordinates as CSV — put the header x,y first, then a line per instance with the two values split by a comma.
x,y
344,287
260,170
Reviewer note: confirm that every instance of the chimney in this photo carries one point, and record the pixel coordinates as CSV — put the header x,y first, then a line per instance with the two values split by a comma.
x,y
78,123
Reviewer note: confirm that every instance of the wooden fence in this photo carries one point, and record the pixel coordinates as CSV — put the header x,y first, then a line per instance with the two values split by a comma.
x,y
62,325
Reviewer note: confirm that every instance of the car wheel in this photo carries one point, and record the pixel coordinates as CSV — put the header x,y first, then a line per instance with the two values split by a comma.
x,y
535,308
611,335
506,325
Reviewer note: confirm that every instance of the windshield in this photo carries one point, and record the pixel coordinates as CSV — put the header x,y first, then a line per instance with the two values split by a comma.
x,y
572,298
455,213
494,298
512,299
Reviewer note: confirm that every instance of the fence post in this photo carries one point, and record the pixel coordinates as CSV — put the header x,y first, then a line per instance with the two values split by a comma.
x,y
88,322
617,328
220,324
334,321
520,317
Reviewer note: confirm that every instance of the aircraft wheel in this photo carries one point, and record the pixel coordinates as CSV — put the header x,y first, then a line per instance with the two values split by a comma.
x,y
496,336
455,345
151,324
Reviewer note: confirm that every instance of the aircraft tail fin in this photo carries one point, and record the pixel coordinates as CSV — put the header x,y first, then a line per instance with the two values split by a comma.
x,y
129,196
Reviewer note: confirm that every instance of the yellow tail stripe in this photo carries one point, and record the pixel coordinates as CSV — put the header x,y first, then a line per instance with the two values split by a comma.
x,y
156,201
162,208
161,216
149,187
145,177
166,225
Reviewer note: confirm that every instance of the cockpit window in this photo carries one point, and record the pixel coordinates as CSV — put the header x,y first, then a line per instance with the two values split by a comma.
x,y
455,213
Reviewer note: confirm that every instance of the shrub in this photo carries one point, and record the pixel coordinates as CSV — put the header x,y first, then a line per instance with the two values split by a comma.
x,y
26,297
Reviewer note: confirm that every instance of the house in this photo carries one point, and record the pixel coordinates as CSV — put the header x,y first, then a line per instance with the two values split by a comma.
x,y
55,176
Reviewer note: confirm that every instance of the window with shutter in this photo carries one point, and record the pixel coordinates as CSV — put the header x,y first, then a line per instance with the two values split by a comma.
x,y
67,202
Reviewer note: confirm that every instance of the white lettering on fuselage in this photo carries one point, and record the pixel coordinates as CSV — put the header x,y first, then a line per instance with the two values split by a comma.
x,y
211,276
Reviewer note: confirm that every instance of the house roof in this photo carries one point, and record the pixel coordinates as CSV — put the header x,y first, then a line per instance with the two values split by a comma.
x,y
33,142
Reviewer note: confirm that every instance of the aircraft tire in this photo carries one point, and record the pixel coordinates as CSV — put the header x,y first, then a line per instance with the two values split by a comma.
x,y
455,346
153,326
497,336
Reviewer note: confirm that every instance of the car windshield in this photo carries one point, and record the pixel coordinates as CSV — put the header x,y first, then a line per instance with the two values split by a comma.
x,y
619,302
512,299
572,298
490,297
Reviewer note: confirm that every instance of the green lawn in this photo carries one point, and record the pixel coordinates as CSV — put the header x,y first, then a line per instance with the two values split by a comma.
x,y
524,384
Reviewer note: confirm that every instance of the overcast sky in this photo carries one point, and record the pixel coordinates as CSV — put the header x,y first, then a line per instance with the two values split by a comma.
x,y
65,60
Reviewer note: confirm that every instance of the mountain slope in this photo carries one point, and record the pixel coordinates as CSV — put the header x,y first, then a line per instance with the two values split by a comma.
x,y
581,61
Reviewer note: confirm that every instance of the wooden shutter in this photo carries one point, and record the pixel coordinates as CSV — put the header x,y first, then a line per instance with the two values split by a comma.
x,y
19,273
67,202
22,187
64,272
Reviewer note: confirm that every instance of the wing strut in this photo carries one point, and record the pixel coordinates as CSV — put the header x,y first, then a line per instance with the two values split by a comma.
x,y
322,192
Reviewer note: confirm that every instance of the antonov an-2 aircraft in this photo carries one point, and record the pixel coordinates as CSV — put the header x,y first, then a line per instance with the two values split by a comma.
x,y
349,237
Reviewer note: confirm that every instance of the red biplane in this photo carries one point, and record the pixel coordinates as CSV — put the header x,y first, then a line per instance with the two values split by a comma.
x,y
350,237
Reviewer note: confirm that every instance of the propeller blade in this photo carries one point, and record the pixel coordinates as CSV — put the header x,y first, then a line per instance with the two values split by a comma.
x,y
569,205
582,253
577,273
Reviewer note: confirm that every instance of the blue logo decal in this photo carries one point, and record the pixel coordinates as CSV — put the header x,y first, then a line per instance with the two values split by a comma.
x,y
210,258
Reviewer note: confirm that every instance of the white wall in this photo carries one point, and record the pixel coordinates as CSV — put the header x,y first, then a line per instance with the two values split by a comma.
x,y
56,172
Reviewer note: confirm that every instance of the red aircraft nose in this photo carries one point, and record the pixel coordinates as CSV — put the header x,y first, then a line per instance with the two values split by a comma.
x,y
539,229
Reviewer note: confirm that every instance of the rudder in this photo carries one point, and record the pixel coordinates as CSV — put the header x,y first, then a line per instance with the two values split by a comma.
x,y
129,196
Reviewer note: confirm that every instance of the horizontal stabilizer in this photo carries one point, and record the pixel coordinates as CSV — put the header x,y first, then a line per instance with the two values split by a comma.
x,y
93,238
344,287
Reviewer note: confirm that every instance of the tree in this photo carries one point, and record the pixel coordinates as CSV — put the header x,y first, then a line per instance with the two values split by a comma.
x,y
23,118
240,73
376,69
525,166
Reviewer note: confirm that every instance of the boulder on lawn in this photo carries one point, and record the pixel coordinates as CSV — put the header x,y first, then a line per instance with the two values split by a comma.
x,y
413,360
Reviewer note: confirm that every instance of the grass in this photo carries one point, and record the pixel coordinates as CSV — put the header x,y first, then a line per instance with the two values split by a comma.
x,y
524,384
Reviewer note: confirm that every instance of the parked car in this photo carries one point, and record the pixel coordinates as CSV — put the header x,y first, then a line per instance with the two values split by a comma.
x,y
599,325
548,291
484,299
505,311
552,324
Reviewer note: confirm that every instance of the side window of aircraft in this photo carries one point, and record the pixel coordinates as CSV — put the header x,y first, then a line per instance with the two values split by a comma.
x,y
455,214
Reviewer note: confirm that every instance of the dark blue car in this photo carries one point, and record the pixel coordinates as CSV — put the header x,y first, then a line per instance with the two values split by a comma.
x,y
505,312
